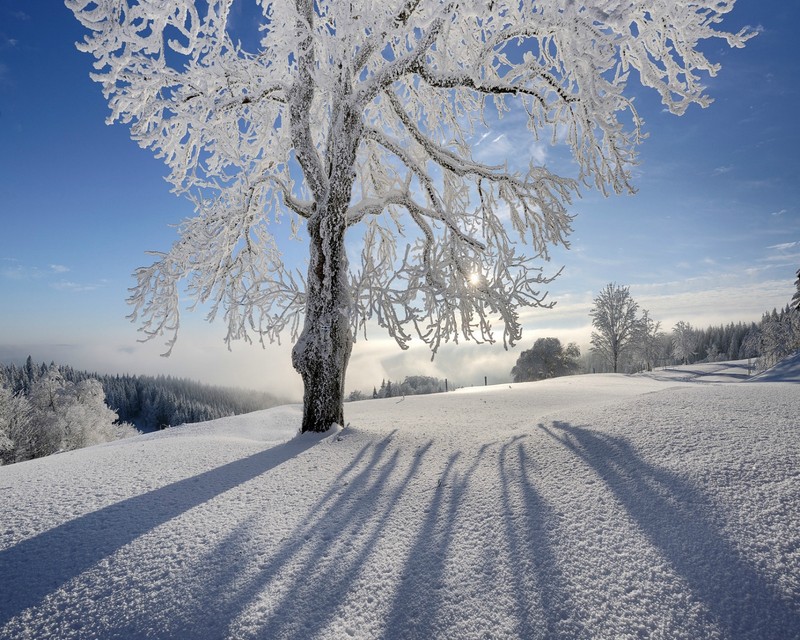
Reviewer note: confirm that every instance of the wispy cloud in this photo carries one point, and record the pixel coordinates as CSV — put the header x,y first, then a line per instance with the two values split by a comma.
x,y
538,152
77,287
735,296
723,169
784,246
15,270
783,254
779,213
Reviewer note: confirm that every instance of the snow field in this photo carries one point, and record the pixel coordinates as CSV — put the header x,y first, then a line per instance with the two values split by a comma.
x,y
600,506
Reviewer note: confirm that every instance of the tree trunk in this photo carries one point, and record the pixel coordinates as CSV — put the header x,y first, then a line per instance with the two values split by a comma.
x,y
322,351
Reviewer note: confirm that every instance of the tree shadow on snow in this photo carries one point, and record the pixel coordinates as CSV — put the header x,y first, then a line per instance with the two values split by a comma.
x,y
354,520
675,517
308,578
315,564
38,566
522,538
416,606
543,603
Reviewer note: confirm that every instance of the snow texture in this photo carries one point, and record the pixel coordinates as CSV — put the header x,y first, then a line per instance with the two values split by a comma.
x,y
604,506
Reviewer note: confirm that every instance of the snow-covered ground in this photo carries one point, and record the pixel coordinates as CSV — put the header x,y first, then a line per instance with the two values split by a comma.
x,y
602,506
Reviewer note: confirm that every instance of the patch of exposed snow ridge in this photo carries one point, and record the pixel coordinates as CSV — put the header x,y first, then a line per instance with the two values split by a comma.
x,y
603,506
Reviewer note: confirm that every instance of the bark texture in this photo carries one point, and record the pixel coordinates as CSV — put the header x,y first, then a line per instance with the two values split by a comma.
x,y
323,349
322,352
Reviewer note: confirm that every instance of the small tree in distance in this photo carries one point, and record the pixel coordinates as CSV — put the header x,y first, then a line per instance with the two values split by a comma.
x,y
684,341
361,117
546,359
615,323
647,340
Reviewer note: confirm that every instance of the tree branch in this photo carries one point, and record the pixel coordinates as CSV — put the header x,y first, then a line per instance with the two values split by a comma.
x,y
399,67
301,97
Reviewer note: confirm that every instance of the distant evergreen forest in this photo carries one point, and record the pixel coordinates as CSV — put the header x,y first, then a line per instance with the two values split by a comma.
x,y
411,386
147,402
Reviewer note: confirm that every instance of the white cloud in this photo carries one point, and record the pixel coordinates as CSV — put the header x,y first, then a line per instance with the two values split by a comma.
x,y
15,270
724,169
77,287
779,213
59,268
500,147
784,246
538,153
713,299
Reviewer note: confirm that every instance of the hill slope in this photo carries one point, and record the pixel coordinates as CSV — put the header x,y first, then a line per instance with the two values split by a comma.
x,y
583,507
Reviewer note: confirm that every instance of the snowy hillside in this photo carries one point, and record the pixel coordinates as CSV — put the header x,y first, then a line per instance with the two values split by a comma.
x,y
603,506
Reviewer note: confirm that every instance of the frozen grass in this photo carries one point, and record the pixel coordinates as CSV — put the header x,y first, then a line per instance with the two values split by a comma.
x,y
603,506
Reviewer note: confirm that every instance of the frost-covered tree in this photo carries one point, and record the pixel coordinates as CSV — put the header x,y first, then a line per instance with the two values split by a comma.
x,y
56,415
356,395
48,401
547,358
421,385
778,338
647,342
796,297
16,425
361,116
614,319
6,421
684,342
751,343
85,418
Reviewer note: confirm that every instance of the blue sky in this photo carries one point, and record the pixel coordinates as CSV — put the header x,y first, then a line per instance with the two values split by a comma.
x,y
712,236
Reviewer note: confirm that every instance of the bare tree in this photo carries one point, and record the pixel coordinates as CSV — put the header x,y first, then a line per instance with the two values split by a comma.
x,y
614,318
362,116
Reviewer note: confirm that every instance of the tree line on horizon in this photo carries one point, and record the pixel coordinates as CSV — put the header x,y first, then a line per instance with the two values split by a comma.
x,y
52,414
50,408
625,340
411,386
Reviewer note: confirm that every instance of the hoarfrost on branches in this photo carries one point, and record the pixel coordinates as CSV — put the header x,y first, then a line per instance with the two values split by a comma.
x,y
363,115
614,320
